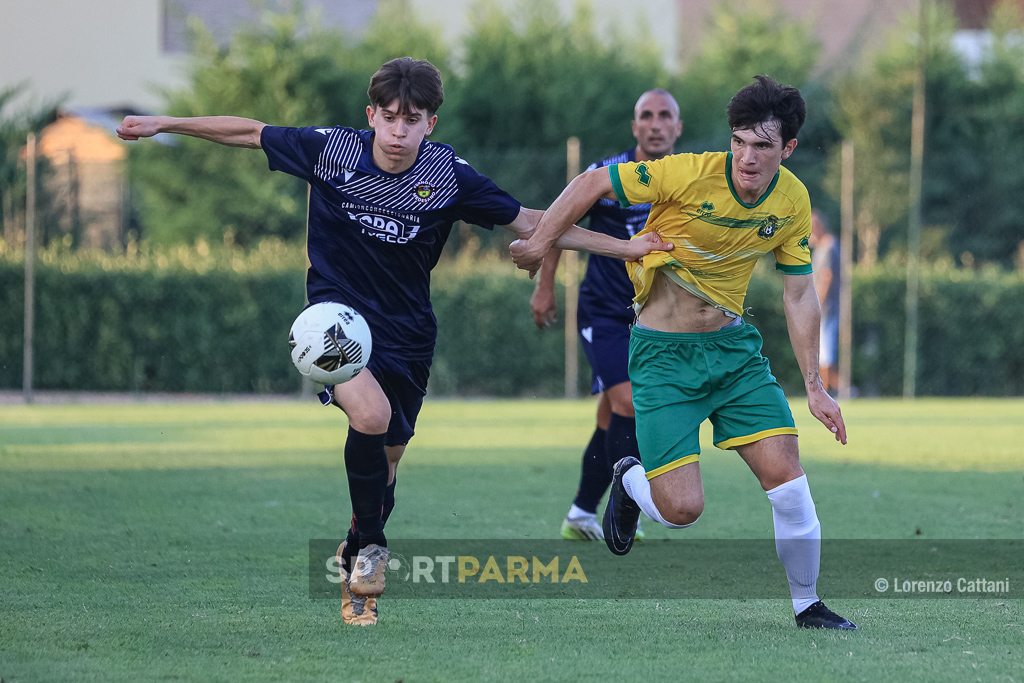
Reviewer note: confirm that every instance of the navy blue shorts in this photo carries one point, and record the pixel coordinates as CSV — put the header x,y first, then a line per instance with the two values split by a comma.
x,y
606,344
405,384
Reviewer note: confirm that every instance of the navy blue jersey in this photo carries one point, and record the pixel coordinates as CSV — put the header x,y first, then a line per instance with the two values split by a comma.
x,y
606,291
375,236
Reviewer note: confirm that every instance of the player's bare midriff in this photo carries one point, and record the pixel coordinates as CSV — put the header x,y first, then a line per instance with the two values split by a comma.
x,y
670,308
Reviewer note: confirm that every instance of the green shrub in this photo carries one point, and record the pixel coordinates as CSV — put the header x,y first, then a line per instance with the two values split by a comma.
x,y
215,320
971,334
487,343
179,320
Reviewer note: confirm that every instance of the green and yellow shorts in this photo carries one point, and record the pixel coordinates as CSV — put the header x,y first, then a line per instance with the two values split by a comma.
x,y
680,380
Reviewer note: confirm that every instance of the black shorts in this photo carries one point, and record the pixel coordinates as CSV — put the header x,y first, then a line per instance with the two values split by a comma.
x,y
606,345
404,383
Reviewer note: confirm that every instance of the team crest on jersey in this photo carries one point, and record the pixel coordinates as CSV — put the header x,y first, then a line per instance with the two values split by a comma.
x,y
768,227
706,208
423,191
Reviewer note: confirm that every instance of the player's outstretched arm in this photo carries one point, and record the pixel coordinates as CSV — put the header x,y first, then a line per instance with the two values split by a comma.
x,y
575,200
803,318
543,305
577,239
232,131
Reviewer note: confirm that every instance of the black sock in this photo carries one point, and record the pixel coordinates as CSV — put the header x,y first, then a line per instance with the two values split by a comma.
x,y
367,467
389,500
595,475
621,439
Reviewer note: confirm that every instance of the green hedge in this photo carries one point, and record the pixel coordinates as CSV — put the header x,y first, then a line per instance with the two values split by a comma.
x,y
971,331
971,334
144,331
221,326
487,343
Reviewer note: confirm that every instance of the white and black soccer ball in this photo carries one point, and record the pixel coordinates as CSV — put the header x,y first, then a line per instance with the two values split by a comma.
x,y
330,343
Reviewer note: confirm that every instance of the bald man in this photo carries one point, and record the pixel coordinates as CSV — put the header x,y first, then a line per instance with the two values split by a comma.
x,y
605,314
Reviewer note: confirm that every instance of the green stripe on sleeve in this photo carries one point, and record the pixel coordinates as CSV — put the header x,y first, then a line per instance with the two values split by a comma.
x,y
802,269
620,194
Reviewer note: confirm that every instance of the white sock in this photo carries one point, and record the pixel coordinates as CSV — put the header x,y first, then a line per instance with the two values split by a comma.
x,y
639,489
797,539
576,512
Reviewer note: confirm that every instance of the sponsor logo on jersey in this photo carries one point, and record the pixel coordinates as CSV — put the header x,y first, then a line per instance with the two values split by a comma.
x,y
644,173
385,228
705,210
423,191
804,243
768,226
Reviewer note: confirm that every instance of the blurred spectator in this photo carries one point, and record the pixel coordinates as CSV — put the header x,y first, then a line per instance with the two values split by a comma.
x,y
825,261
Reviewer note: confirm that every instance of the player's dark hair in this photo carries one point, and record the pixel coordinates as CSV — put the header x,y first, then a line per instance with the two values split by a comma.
x,y
765,100
413,82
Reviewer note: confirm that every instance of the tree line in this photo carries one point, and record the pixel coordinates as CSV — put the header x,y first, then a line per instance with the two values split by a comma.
x,y
521,81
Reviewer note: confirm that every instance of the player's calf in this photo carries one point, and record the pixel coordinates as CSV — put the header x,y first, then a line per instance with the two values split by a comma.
x,y
367,469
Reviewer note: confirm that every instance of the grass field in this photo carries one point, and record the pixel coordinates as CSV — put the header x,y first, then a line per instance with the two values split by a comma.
x,y
169,541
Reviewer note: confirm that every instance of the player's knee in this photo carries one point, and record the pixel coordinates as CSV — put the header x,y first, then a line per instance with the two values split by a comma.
x,y
370,423
684,512
620,398
781,475
369,417
624,409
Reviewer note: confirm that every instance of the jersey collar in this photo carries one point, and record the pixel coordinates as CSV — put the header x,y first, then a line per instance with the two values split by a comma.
x,y
728,177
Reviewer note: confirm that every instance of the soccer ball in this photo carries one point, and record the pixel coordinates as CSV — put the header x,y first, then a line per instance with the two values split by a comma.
x,y
330,343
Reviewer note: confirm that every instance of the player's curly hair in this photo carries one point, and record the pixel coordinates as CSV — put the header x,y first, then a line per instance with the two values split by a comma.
x,y
413,82
765,100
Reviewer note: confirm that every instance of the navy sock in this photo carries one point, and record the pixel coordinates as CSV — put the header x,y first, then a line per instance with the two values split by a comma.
x,y
621,439
595,475
389,500
367,467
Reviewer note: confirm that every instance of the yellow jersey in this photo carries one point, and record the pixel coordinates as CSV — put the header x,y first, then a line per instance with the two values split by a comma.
x,y
718,237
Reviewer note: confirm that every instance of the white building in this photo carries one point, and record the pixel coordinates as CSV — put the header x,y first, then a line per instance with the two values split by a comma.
x,y
117,53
